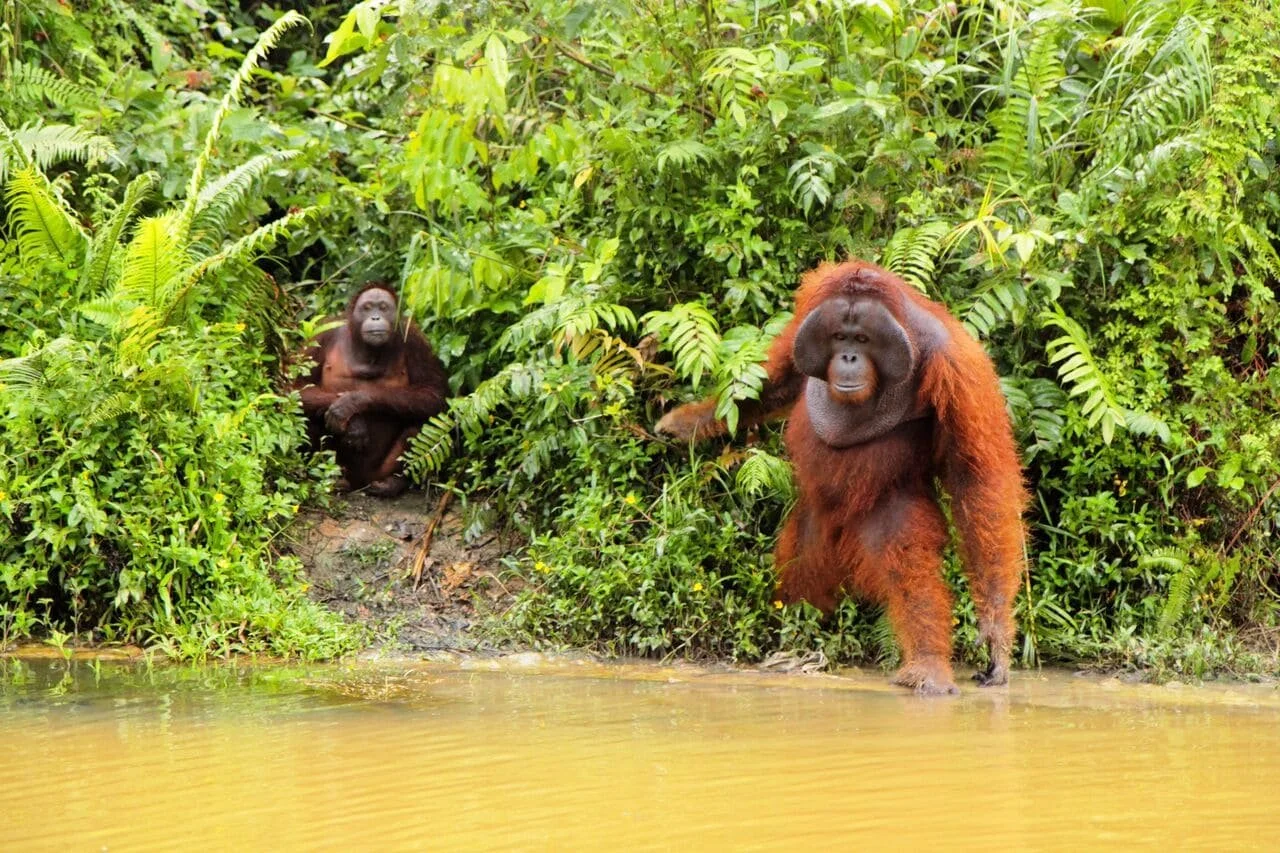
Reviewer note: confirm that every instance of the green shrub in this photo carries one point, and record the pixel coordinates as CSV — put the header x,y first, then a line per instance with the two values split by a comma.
x,y
148,463
611,206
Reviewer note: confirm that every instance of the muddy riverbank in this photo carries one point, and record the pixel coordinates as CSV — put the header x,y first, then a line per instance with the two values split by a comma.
x,y
405,569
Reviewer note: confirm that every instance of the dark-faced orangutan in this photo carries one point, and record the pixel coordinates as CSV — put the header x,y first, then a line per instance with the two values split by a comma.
x,y
891,394
374,383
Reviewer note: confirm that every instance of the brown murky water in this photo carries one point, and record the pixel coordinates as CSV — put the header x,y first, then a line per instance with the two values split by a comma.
x,y
579,756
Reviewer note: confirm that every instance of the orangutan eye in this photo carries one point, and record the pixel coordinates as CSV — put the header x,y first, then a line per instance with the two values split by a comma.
x,y
840,336
861,338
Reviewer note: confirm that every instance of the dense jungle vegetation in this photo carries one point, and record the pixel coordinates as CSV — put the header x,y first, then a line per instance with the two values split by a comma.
x,y
594,210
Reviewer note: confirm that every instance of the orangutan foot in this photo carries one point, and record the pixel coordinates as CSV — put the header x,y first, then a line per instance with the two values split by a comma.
x,y
388,487
929,676
996,674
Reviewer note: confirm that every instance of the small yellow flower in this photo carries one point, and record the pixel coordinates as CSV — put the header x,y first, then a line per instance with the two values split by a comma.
x,y
631,499
540,567
219,497
697,587
3,495
777,605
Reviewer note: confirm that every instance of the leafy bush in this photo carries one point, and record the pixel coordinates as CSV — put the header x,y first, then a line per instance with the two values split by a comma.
x,y
596,209
148,462
607,199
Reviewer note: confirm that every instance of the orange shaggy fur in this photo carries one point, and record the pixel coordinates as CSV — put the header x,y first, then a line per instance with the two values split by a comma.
x,y
868,521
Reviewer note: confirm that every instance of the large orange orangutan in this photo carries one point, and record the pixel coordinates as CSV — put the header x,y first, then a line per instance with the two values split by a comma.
x,y
892,393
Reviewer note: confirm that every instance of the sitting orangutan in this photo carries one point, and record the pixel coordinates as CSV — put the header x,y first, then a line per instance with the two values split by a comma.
x,y
374,383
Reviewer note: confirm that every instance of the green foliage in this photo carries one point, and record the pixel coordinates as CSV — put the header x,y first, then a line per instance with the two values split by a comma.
x,y
1071,186
596,210
148,462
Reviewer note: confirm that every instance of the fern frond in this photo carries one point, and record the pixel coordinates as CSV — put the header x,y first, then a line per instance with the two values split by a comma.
x,y
885,641
146,289
115,405
1182,579
1001,298
1174,87
1172,99
684,154
10,150
173,375
265,43
222,198
102,256
28,82
150,34
690,333
48,144
1078,371
260,240
33,373
106,311
46,228
142,326
432,447
567,321
578,318
912,253
1145,423
1035,405
1259,250
611,356
763,473
153,261
21,372
1019,124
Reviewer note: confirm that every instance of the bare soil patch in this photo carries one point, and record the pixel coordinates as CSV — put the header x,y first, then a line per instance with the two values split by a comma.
x,y
402,567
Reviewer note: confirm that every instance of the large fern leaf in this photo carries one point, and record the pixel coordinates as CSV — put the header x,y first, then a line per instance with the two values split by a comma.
x,y
45,228
260,240
1001,298
912,253
48,144
269,38
153,261
1080,373
27,82
1032,76
434,444
103,259
220,199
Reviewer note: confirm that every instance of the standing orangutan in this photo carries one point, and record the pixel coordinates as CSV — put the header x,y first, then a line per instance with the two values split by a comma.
x,y
375,382
893,393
